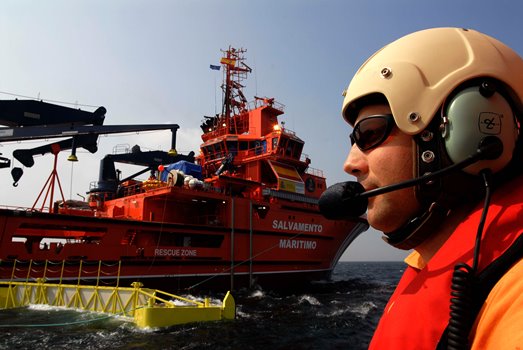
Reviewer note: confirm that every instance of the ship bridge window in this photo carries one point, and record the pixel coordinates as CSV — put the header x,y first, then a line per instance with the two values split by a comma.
x,y
283,145
292,148
274,143
260,147
298,148
214,151
232,147
219,149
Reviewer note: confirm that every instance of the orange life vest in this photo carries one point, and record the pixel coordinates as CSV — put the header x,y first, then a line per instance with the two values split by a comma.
x,y
418,312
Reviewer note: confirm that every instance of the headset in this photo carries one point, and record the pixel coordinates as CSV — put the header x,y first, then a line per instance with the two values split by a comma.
x,y
473,114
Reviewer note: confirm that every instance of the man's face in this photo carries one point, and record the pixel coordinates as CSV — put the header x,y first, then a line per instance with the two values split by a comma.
x,y
388,163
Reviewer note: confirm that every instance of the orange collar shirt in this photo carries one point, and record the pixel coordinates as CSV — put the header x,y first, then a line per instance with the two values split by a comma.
x,y
417,313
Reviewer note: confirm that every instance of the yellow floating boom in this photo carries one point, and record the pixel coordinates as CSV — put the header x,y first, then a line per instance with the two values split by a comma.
x,y
148,307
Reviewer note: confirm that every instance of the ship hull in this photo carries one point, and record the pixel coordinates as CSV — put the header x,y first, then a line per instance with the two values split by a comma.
x,y
274,252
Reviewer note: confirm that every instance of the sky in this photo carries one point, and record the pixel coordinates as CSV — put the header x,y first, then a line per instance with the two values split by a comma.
x,y
147,61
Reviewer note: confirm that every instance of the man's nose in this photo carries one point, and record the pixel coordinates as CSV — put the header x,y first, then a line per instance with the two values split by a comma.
x,y
356,162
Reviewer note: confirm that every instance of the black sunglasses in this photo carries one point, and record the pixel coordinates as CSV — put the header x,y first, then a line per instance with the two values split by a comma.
x,y
372,131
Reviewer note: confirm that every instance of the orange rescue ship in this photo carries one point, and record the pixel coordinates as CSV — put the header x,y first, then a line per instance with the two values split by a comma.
x,y
242,211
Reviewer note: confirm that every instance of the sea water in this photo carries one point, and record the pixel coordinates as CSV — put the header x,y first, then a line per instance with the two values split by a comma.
x,y
338,314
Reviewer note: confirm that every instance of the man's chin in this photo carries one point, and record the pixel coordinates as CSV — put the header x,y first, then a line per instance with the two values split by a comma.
x,y
380,223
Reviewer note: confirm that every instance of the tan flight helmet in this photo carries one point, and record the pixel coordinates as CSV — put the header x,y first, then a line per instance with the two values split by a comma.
x,y
423,71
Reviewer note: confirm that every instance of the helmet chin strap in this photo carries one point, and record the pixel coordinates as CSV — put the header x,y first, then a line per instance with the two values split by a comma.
x,y
456,190
417,230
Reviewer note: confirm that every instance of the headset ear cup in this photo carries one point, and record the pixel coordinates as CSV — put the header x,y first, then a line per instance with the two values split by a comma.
x,y
473,115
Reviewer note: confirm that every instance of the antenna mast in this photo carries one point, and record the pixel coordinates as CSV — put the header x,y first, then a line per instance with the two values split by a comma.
x,y
235,71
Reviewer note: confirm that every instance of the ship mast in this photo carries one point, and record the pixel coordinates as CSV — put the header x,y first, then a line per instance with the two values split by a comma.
x,y
235,71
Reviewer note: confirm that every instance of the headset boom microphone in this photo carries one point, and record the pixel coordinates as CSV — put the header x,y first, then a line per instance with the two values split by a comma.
x,y
349,199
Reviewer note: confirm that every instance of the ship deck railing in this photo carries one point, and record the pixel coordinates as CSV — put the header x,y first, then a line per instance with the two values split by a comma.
x,y
260,102
21,208
315,172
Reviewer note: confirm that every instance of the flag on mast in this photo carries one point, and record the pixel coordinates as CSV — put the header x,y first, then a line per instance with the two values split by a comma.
x,y
228,61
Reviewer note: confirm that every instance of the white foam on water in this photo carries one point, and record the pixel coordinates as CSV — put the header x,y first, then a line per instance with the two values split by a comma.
x,y
309,299
364,308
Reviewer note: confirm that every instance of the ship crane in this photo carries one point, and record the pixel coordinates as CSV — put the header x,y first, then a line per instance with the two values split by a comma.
x,y
32,120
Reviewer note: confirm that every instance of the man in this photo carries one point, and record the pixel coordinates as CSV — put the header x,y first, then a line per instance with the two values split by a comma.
x,y
446,102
